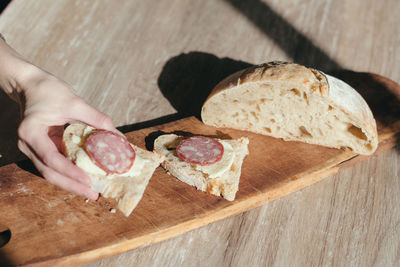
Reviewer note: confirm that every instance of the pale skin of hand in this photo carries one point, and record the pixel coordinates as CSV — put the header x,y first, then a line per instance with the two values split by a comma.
x,y
47,104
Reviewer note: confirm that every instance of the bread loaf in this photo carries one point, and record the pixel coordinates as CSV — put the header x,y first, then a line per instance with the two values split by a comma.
x,y
290,101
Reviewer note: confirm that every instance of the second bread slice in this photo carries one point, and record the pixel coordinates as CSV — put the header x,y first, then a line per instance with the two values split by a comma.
x,y
226,184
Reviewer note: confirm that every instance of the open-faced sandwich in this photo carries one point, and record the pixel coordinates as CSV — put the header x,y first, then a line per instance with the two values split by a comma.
x,y
118,169
211,165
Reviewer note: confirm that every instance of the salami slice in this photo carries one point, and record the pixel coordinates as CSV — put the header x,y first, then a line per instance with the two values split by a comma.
x,y
110,151
200,150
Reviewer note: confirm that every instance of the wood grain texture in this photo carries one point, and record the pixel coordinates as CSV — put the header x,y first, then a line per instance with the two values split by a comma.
x,y
129,54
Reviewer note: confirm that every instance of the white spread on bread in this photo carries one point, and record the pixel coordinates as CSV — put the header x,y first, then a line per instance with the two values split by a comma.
x,y
84,162
218,168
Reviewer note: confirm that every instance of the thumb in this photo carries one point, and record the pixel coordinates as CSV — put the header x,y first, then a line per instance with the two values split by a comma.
x,y
87,114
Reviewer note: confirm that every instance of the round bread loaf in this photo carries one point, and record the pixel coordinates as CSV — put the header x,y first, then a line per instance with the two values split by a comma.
x,y
290,101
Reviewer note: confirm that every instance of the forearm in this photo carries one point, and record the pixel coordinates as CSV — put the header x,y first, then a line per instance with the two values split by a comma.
x,y
14,71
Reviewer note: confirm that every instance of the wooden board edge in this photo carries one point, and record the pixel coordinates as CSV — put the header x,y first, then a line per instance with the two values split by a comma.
x,y
176,230
349,159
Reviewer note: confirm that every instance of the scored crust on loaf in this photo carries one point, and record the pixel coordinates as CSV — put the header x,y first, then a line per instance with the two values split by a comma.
x,y
227,184
126,190
290,101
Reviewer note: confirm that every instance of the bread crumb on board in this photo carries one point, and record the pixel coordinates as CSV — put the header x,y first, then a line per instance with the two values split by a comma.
x,y
113,210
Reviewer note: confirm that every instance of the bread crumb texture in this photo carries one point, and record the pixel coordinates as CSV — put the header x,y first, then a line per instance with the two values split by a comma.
x,y
290,101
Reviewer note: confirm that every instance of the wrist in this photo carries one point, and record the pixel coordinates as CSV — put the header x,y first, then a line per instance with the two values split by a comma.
x,y
15,72
9,65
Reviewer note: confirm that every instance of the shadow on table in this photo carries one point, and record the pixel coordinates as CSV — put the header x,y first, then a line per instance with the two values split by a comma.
x,y
5,236
4,261
9,121
187,79
4,4
296,45
381,94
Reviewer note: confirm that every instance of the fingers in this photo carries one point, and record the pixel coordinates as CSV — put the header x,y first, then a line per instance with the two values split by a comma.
x,y
48,153
60,164
68,184
91,116
56,178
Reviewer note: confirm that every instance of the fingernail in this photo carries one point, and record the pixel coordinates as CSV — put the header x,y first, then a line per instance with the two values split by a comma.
x,y
92,195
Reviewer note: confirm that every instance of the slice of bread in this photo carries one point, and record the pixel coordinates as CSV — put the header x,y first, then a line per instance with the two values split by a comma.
x,y
225,184
127,190
292,102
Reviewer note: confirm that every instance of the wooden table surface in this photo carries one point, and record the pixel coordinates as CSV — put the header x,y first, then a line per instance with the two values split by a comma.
x,y
140,61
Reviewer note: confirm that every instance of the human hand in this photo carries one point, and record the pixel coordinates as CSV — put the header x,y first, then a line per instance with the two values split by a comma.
x,y
47,105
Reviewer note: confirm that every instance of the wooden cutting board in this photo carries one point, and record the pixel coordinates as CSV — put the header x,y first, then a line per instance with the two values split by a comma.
x,y
50,226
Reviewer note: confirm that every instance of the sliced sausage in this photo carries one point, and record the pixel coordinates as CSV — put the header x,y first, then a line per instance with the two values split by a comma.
x,y
110,151
200,150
